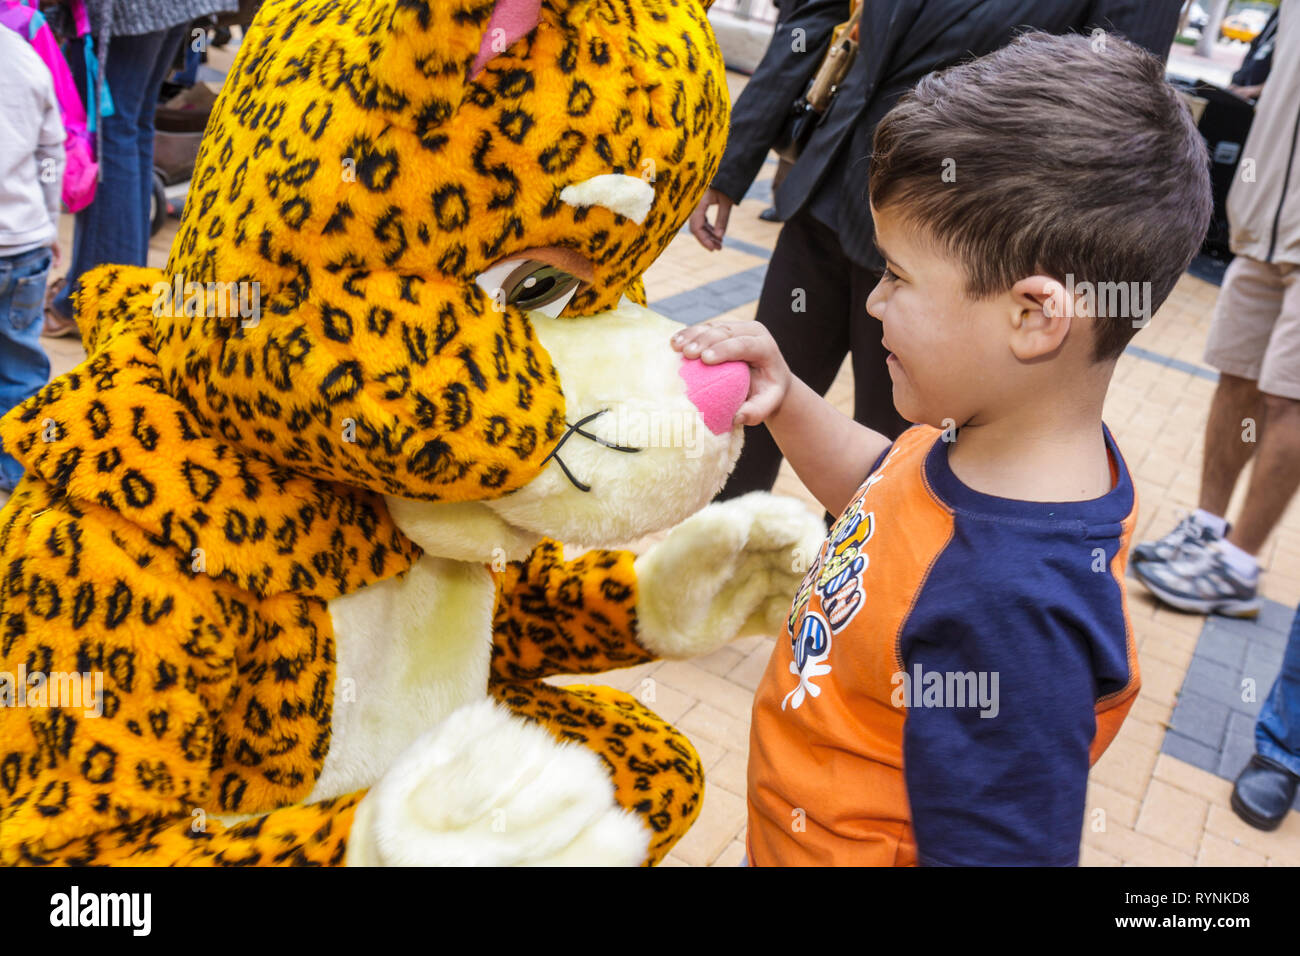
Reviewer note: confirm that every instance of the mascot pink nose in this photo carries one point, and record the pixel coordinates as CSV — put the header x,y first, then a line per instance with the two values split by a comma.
x,y
717,391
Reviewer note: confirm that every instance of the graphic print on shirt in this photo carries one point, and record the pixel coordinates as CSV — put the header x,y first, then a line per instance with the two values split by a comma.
x,y
836,580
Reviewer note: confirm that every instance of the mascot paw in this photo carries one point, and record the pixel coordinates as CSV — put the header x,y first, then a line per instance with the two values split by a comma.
x,y
729,571
484,788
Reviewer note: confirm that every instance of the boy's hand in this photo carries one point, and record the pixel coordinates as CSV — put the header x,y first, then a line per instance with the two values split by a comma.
x,y
830,452
748,342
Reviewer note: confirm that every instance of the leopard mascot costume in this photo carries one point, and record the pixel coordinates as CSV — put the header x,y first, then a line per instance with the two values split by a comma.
x,y
307,552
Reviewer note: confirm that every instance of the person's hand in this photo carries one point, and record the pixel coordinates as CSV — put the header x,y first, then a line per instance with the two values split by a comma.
x,y
57,252
1247,92
710,235
748,342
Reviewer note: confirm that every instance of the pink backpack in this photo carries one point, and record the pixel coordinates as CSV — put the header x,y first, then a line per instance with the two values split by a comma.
x,y
81,171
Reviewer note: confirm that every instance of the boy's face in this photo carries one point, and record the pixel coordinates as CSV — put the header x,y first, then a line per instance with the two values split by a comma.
x,y
946,350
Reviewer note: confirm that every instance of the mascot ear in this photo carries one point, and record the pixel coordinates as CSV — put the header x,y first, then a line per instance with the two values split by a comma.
x,y
511,19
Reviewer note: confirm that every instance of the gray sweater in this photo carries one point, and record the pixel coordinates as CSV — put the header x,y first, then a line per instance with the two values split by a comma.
x,y
31,148
133,17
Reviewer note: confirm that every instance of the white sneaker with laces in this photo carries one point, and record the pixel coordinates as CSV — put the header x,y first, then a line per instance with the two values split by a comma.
x,y
1191,534
1200,579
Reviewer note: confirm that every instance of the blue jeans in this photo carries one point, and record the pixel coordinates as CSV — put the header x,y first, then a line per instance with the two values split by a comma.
x,y
189,75
115,227
24,367
1277,732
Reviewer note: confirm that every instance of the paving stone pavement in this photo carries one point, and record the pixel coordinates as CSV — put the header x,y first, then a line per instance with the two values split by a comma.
x,y
1160,793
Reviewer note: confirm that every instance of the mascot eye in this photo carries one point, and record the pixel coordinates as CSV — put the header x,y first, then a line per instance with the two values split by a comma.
x,y
531,285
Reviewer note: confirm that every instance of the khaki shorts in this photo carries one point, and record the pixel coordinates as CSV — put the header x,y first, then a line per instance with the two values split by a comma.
x,y
1256,329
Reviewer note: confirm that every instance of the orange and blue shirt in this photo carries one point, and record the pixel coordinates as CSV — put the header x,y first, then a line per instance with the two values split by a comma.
x,y
953,664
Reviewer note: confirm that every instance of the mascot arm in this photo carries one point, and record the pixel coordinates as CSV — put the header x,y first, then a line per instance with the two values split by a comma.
x,y
565,617
445,802
305,835
729,571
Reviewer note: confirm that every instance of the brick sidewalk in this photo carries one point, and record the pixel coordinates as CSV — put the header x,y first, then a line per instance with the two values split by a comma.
x,y
1146,806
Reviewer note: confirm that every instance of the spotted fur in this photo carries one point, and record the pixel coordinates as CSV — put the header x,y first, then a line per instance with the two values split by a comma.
x,y
200,488
555,617
656,772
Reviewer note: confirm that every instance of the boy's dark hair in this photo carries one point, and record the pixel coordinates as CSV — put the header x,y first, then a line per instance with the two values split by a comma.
x,y
1071,155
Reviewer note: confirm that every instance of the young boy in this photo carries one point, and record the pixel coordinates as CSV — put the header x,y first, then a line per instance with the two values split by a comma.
x,y
31,176
960,652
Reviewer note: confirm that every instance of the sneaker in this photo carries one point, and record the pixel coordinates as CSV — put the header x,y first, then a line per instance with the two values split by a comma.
x,y
1199,579
1189,535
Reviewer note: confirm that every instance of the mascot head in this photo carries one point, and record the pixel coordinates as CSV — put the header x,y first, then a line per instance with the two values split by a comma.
x,y
441,211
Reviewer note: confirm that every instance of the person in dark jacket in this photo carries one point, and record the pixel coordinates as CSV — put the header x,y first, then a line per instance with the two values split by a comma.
x,y
784,8
1248,82
825,263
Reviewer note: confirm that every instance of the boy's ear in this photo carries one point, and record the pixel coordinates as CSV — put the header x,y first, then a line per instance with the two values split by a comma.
x,y
1042,312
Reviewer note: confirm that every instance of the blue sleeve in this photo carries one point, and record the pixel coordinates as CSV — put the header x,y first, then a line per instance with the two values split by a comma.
x,y
1003,779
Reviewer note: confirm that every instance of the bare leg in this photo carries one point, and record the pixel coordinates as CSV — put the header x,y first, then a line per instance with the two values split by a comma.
x,y
1225,453
1276,474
